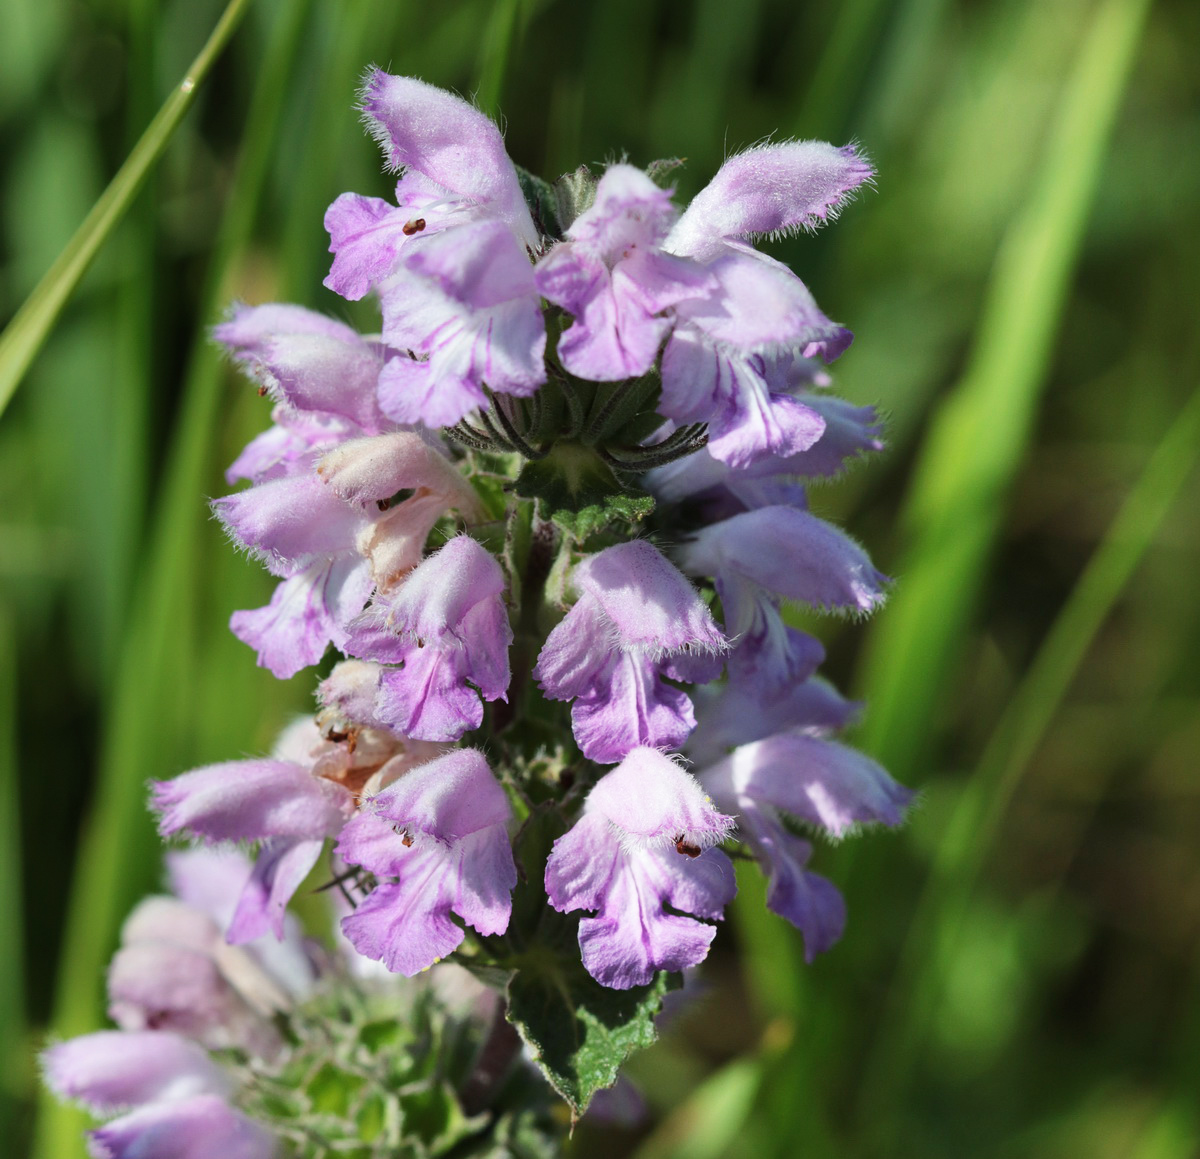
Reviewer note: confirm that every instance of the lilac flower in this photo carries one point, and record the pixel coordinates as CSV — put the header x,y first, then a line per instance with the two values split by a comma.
x,y
466,309
178,1097
637,621
642,844
716,365
290,803
441,832
749,707
779,552
308,362
333,534
277,802
175,971
196,1128
820,783
612,275
455,172
449,629
723,353
768,481
114,1069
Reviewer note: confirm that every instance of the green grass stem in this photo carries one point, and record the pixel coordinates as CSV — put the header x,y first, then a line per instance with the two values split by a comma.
x,y
979,435
970,836
29,328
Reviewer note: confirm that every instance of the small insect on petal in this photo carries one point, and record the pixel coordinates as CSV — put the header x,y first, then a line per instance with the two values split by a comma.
x,y
686,847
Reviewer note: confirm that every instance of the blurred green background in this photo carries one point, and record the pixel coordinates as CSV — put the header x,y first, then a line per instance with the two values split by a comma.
x,y
1019,975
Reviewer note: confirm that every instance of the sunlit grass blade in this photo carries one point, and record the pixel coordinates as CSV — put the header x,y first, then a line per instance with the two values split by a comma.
x,y
979,435
494,54
839,68
971,833
31,325
707,1124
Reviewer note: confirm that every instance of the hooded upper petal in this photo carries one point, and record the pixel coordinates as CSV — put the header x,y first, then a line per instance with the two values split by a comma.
x,y
820,781
307,360
789,553
114,1069
448,141
770,189
251,800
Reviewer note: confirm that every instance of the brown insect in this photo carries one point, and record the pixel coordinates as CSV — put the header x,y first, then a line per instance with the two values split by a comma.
x,y
404,835
686,847
415,226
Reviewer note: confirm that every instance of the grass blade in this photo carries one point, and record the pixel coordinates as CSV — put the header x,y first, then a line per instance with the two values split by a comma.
x,y
31,325
978,437
975,823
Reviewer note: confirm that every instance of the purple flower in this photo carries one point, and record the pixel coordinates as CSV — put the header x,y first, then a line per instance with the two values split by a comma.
x,y
308,362
455,172
440,831
717,364
114,1069
721,362
779,552
196,1128
333,534
175,971
178,1095
277,802
612,275
640,845
637,621
466,310
750,706
850,432
448,627
815,781
291,803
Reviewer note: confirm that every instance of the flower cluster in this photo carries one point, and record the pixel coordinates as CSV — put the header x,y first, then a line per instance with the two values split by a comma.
x,y
182,996
553,516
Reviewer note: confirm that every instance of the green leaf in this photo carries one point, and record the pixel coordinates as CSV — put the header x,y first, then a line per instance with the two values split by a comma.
x,y
580,525
579,1032
542,202
576,490
574,193
660,171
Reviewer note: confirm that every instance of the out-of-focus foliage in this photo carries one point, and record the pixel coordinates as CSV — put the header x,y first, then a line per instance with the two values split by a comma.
x,y
1019,973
